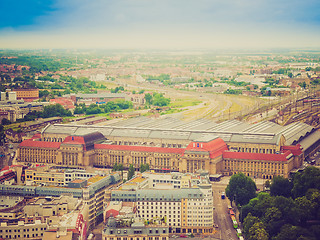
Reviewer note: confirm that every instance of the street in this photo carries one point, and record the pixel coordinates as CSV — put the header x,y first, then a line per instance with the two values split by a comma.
x,y
221,216
225,228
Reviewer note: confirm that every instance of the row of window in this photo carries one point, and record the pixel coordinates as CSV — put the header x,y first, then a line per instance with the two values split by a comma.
x,y
135,238
22,230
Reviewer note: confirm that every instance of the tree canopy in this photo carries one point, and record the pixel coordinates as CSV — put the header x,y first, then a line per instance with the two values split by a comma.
x,y
241,189
287,212
144,167
55,110
130,172
157,99
302,182
280,186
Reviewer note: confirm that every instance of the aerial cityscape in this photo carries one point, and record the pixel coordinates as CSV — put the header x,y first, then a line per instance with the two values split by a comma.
x,y
158,120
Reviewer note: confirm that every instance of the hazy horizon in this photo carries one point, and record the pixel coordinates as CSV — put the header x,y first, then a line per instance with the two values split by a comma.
x,y
150,24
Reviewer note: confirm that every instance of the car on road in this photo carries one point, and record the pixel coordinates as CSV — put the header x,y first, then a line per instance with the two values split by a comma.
x,y
223,195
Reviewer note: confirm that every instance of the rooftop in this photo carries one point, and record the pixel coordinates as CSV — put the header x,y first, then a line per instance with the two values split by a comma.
x,y
169,128
95,179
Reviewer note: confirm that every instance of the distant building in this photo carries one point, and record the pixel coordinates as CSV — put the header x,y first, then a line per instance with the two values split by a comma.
x,y
91,121
66,103
137,99
27,95
19,108
14,136
23,230
8,114
12,96
96,98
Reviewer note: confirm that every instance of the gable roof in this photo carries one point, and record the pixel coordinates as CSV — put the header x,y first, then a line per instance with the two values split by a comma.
x,y
39,144
283,157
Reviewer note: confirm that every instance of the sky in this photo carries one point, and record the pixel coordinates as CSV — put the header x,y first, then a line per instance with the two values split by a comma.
x,y
163,24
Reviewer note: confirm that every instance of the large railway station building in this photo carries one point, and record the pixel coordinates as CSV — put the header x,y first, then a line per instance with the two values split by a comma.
x,y
262,150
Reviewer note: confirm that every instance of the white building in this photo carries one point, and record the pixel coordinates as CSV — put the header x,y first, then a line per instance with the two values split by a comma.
x,y
185,201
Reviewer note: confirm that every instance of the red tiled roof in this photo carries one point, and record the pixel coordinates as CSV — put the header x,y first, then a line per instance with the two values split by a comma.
x,y
39,144
74,140
215,147
295,149
5,168
36,136
65,102
111,212
139,148
257,156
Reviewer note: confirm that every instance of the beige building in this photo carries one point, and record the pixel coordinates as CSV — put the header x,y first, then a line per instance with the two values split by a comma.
x,y
51,206
22,230
27,94
170,145
185,201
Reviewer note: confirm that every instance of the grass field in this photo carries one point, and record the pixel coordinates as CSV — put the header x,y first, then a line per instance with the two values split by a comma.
x,y
184,102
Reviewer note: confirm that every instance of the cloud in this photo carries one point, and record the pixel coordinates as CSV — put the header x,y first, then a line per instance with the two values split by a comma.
x,y
174,23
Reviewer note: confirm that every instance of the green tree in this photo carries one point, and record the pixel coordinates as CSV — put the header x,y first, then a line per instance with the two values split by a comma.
x,y
130,172
248,222
303,181
280,186
258,232
118,167
303,85
44,93
304,208
5,121
160,100
115,167
290,232
148,98
272,214
144,167
2,135
241,189
55,110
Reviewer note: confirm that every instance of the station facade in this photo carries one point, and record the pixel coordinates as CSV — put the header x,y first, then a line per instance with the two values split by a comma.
x,y
257,154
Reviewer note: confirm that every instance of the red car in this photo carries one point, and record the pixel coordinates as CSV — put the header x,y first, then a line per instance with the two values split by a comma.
x,y
183,236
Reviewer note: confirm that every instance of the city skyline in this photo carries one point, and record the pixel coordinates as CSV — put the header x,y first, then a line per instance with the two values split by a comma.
x,y
159,24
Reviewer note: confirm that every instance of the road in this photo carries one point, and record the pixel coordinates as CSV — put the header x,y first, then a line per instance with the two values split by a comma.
x,y
221,216
225,228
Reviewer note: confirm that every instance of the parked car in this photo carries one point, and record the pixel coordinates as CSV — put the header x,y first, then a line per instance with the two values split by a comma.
x,y
223,195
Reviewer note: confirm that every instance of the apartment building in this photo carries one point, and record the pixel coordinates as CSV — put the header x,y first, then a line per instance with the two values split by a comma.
x,y
93,191
185,210
29,94
33,230
57,176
